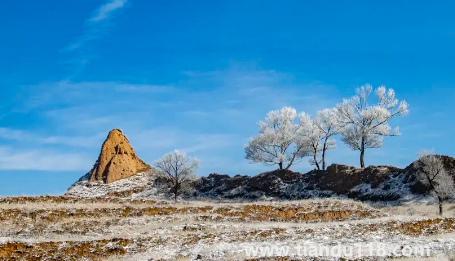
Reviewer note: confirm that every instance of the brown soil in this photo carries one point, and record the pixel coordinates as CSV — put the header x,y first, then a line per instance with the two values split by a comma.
x,y
66,250
70,200
247,213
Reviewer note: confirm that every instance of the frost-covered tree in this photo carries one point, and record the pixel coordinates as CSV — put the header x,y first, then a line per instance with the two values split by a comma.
x,y
178,168
365,125
431,172
279,141
311,136
318,133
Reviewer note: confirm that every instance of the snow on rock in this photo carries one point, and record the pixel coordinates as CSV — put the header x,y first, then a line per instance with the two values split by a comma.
x,y
134,184
374,183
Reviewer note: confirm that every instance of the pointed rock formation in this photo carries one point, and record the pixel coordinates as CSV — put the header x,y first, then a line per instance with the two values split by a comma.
x,y
117,160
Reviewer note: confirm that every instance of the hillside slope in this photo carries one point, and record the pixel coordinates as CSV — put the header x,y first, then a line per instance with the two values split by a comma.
x,y
374,183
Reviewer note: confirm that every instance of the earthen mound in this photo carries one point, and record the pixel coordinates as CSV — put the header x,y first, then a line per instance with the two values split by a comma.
x,y
117,160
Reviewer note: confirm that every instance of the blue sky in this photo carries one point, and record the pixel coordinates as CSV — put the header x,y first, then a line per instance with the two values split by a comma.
x,y
198,75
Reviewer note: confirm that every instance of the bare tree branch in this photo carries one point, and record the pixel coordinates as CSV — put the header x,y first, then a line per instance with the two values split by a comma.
x,y
431,172
178,168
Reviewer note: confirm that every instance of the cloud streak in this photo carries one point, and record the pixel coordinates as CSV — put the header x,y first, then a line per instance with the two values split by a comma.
x,y
96,26
31,138
68,92
107,9
43,160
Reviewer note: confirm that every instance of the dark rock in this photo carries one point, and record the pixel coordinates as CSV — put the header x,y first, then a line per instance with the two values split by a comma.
x,y
374,183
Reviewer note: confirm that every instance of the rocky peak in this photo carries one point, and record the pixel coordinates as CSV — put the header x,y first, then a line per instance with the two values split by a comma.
x,y
117,160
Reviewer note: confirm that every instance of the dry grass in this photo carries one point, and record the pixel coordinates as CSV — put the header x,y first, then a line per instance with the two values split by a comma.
x,y
420,210
113,229
434,258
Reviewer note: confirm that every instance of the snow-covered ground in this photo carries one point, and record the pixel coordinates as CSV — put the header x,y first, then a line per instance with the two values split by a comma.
x,y
84,188
74,229
136,221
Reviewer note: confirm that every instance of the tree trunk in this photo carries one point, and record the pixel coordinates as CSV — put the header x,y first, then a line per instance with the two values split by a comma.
x,y
323,153
281,165
362,153
290,162
440,205
315,157
176,192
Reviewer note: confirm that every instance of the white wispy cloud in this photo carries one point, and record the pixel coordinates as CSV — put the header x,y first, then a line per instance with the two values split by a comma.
x,y
70,93
212,142
11,159
140,88
167,139
29,137
196,113
237,89
17,135
107,9
436,134
96,26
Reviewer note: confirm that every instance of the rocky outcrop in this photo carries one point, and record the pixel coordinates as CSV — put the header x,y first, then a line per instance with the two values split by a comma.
x,y
277,184
374,183
117,160
285,184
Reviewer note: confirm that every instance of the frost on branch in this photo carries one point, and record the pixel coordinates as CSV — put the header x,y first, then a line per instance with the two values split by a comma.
x,y
316,134
279,141
365,125
432,174
178,168
311,137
